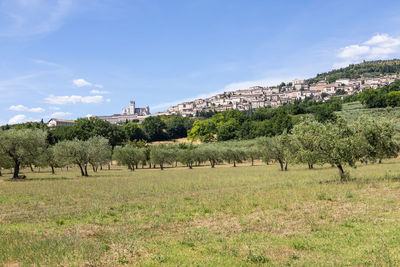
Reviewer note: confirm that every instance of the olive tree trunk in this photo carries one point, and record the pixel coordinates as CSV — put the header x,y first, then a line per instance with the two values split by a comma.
x,y
86,173
16,170
82,172
341,172
281,164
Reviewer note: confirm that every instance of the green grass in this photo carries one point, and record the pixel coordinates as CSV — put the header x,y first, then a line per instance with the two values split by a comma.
x,y
216,217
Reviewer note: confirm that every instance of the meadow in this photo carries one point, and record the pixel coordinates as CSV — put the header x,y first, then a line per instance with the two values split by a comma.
x,y
248,215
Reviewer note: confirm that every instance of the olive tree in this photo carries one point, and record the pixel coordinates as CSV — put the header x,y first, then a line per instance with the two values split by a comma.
x,y
161,154
339,146
252,150
186,157
278,148
5,162
305,136
379,136
263,144
99,151
211,153
130,156
75,152
233,153
22,146
48,159
199,156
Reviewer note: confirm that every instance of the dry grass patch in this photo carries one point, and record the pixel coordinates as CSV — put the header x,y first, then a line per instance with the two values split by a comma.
x,y
221,217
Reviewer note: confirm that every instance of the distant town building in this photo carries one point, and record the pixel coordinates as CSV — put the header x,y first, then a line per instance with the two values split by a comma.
x,y
299,83
131,113
58,122
257,96
132,110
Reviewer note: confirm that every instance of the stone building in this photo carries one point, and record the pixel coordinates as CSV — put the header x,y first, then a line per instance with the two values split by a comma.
x,y
57,122
133,110
132,113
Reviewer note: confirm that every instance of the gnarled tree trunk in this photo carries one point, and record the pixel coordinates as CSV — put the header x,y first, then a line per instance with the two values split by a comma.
x,y
86,173
82,172
16,170
212,162
281,164
341,172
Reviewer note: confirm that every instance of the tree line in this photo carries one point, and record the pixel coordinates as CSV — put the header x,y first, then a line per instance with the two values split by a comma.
x,y
29,147
310,142
157,128
234,124
385,96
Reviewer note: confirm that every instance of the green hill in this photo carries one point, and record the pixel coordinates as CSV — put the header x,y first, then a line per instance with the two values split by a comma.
x,y
365,69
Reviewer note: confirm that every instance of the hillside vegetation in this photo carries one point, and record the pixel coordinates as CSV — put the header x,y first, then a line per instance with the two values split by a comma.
x,y
354,110
366,69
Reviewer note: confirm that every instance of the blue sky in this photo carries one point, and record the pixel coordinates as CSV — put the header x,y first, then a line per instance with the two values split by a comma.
x,y
71,58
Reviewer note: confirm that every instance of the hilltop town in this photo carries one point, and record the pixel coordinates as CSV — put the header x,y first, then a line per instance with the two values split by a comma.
x,y
275,96
252,98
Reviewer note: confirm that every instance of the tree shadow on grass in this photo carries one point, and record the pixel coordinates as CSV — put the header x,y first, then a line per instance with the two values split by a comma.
x,y
360,180
36,179
338,181
386,178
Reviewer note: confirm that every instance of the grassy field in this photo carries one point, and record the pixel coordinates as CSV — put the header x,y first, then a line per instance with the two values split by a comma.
x,y
220,217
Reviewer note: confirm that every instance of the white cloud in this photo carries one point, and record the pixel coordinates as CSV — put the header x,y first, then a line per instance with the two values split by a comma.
x,y
353,51
23,108
383,40
54,108
81,82
17,119
263,83
108,100
60,114
379,46
99,92
73,99
342,64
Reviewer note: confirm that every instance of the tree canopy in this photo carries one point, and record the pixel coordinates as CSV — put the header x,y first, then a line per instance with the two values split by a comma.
x,y
22,146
